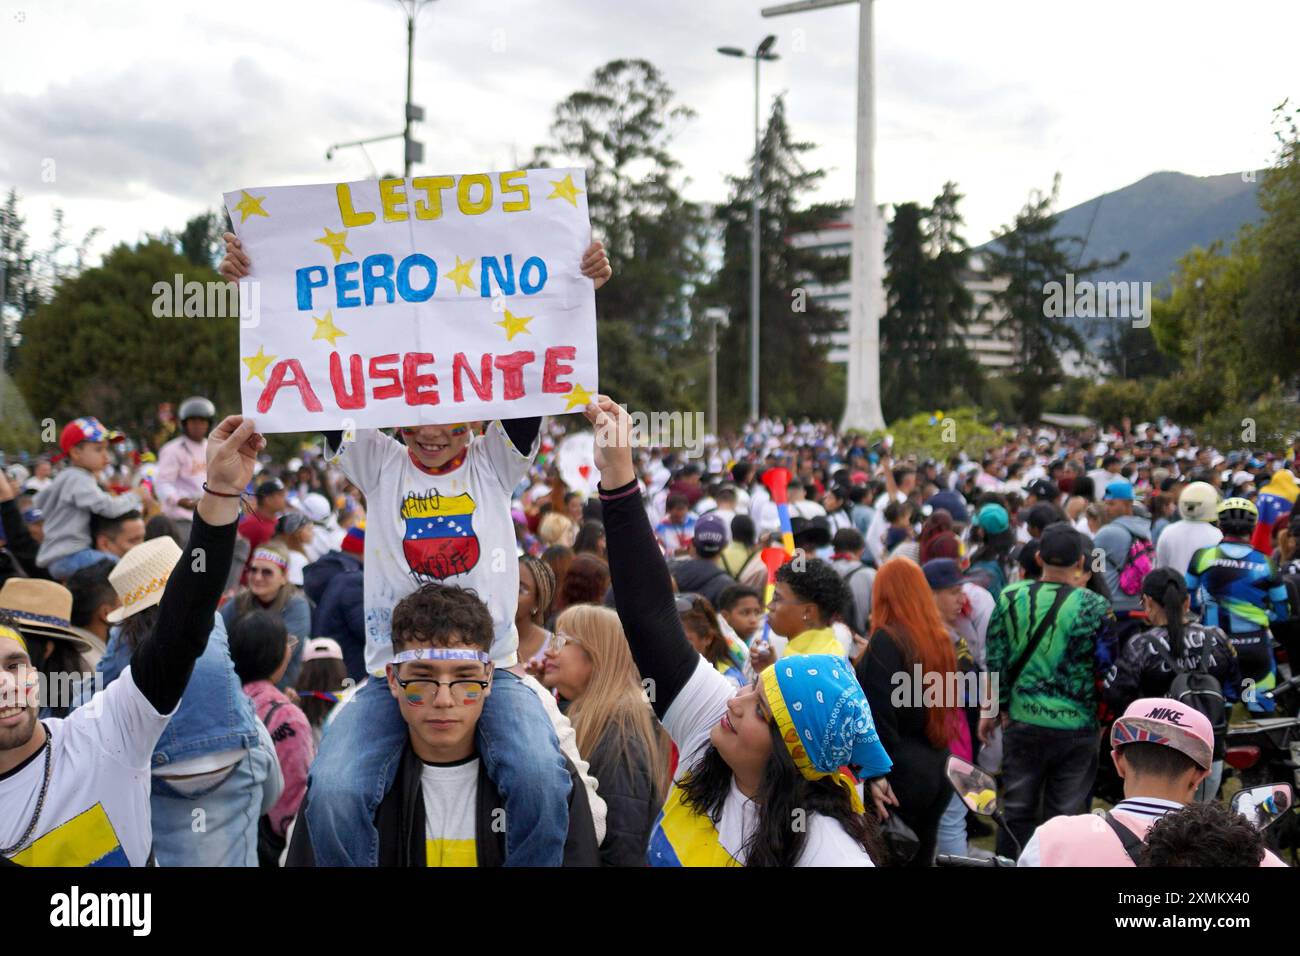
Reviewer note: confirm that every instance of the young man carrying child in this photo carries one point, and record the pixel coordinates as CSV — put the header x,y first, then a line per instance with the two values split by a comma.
x,y
439,512
74,496
442,808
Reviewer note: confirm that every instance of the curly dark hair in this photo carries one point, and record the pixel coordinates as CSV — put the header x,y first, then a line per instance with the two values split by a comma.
x,y
782,791
819,584
1203,834
442,616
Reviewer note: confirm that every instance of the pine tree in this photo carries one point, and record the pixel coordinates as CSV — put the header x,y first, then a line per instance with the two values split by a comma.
x,y
924,363
795,376
620,128
19,291
903,325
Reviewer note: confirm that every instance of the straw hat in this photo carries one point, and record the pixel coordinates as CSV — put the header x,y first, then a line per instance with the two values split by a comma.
x,y
141,576
41,607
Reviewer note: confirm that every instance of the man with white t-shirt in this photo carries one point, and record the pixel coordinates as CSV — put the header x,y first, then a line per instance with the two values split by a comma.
x,y
1182,539
75,790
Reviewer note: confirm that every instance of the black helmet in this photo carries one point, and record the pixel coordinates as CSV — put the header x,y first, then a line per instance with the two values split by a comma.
x,y
196,407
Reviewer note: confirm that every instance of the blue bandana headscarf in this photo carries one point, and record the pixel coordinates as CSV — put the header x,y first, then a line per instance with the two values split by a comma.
x,y
824,718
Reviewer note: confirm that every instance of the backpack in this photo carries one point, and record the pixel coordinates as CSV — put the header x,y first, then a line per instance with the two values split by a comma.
x,y
1292,584
1137,564
1198,689
852,613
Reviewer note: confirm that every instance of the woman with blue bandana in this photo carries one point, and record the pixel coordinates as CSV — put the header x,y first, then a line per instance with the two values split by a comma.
x,y
766,776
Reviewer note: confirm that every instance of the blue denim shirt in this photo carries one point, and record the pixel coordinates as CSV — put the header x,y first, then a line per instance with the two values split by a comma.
x,y
214,714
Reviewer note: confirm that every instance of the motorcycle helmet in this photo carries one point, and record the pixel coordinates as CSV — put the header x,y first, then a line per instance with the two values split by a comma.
x,y
196,407
1198,502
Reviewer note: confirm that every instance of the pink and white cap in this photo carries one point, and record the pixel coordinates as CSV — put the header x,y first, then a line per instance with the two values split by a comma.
x,y
322,649
1162,720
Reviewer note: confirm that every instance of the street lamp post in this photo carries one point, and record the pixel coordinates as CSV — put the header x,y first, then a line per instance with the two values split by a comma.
x,y
412,151
763,52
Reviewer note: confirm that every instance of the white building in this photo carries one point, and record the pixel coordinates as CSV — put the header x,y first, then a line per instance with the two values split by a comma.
x,y
994,352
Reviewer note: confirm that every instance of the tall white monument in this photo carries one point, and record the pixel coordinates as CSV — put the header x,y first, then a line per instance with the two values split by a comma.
x,y
867,259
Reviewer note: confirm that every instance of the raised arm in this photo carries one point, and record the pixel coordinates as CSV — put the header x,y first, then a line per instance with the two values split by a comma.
x,y
643,589
18,540
162,664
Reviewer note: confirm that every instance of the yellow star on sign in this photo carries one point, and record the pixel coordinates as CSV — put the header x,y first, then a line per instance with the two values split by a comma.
x,y
250,206
578,398
326,329
336,242
460,275
514,324
257,364
564,189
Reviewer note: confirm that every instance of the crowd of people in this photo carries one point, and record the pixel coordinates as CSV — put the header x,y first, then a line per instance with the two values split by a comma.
x,y
425,649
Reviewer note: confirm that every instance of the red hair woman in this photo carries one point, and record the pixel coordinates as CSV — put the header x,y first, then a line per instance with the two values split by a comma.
x,y
909,673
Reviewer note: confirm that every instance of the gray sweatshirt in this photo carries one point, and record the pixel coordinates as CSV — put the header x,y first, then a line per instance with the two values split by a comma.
x,y
67,504
1115,539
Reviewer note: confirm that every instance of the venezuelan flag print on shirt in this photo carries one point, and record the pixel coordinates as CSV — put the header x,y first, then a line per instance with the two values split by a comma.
x,y
439,540
682,837
88,839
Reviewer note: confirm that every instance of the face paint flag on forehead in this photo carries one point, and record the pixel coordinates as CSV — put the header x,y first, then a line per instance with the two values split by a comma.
x,y
430,300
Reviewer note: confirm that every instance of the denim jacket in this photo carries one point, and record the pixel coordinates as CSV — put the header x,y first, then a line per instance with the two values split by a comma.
x,y
214,714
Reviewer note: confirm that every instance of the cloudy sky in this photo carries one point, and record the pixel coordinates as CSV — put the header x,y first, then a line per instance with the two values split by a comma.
x,y
134,116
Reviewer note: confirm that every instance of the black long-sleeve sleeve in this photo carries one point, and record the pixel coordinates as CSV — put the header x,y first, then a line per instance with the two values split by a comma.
x,y
875,672
522,432
19,540
162,664
643,594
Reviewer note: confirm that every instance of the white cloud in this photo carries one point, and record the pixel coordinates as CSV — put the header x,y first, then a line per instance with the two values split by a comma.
x,y
151,110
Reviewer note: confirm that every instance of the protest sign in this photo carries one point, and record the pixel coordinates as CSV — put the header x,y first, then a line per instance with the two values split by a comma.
x,y
428,300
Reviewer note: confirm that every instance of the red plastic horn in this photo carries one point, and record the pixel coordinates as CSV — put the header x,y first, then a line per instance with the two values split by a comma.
x,y
773,558
777,481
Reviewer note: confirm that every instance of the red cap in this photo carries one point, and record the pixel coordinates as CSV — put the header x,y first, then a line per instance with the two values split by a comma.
x,y
85,429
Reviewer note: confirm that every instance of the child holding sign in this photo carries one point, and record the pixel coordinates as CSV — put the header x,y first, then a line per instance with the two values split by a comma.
x,y
438,509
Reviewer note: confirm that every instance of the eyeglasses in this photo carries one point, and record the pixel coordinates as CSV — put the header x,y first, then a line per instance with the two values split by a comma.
x,y
419,690
261,572
558,641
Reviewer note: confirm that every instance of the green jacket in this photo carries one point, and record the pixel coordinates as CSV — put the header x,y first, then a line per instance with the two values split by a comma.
x,y
1057,687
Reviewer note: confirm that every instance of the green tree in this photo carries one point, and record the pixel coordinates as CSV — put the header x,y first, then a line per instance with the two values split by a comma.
x,y
924,361
200,240
96,348
795,376
620,128
1271,310
1030,255
19,291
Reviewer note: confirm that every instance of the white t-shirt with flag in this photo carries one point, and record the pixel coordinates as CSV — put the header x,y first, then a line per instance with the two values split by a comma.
x,y
450,794
453,528
96,810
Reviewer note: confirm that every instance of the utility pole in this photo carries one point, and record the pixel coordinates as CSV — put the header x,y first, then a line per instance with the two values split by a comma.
x,y
866,262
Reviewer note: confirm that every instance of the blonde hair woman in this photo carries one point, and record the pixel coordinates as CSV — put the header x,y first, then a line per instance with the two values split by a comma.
x,y
556,528
617,732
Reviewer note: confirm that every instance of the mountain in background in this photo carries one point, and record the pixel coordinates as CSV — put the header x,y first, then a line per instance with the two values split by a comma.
x,y
1157,220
